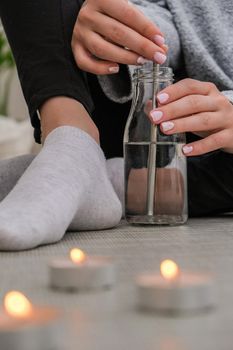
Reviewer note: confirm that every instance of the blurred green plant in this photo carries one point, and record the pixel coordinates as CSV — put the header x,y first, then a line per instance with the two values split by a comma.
x,y
7,64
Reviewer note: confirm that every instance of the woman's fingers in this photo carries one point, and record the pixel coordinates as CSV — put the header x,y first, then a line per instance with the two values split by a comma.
x,y
107,51
132,35
198,107
211,143
128,14
185,106
199,122
124,36
184,88
90,64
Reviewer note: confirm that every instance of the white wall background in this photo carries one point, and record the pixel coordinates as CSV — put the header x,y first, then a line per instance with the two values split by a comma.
x,y
16,132
17,107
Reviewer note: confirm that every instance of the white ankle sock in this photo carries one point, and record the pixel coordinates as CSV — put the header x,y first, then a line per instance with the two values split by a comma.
x,y
12,169
10,172
115,169
54,189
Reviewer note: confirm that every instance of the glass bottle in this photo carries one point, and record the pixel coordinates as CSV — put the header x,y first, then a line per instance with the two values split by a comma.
x,y
155,166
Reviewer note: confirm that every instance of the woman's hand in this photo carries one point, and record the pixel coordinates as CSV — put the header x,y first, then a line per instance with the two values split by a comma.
x,y
108,32
198,107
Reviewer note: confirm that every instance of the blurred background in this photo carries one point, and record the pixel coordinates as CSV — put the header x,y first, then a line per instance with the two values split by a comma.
x,y
16,132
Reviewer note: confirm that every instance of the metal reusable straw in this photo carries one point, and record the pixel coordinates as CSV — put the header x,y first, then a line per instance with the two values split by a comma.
x,y
152,149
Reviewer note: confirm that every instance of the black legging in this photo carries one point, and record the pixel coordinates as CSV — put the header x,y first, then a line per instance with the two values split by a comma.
x,y
40,33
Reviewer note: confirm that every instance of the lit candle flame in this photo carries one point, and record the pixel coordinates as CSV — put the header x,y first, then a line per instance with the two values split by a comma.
x,y
77,256
169,270
17,305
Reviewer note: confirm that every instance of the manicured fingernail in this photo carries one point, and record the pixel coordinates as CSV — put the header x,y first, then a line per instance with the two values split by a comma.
x,y
141,60
187,149
156,116
160,58
159,40
113,69
167,126
162,98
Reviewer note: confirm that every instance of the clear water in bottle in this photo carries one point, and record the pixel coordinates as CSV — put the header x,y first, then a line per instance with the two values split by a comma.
x,y
155,166
170,184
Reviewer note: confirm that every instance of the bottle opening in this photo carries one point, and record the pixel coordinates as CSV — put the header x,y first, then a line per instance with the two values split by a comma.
x,y
145,72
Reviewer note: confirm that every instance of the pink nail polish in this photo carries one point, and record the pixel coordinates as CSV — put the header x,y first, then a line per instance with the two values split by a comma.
x,y
156,116
162,98
141,60
187,149
160,58
113,69
167,126
159,40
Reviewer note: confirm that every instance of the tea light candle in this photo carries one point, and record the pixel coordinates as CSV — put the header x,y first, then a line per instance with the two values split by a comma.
x,y
25,327
175,291
81,272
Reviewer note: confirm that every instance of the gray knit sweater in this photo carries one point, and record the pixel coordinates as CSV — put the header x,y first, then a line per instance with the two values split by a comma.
x,y
199,34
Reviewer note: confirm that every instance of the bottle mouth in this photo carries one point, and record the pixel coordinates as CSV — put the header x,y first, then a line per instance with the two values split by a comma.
x,y
145,72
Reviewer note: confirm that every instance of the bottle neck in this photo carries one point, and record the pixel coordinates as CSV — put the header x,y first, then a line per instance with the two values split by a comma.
x,y
145,74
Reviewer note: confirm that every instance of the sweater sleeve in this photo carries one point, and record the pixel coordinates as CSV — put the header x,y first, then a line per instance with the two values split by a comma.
x,y
118,87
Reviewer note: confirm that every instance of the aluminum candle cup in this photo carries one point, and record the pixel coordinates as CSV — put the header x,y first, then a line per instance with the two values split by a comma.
x,y
25,327
175,292
81,272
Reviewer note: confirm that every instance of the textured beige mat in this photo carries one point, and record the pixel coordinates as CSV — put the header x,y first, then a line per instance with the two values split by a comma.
x,y
109,319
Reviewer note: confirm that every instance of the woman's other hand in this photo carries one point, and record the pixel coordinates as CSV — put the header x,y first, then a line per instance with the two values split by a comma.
x,y
109,32
197,107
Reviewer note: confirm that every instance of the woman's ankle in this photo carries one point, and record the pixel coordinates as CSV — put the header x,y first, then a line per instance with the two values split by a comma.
x,y
60,111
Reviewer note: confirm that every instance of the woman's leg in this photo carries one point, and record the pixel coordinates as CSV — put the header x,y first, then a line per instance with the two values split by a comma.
x,y
68,178
40,37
